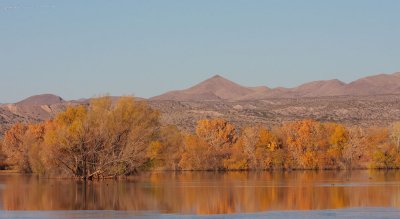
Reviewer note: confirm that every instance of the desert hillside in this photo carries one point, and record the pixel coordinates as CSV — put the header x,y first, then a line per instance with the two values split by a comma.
x,y
369,101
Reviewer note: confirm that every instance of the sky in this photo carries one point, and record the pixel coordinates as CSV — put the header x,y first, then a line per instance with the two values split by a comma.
x,y
79,49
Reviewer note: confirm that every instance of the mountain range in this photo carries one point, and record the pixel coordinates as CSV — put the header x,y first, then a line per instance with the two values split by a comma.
x,y
372,100
219,88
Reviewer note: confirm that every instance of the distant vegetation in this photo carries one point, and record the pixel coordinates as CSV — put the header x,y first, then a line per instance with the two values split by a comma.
x,y
107,139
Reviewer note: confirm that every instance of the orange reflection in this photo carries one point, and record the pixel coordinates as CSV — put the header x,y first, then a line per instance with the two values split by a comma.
x,y
207,192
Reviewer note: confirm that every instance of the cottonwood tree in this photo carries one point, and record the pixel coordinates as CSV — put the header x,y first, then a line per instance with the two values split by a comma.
x,y
15,148
338,138
256,148
243,153
249,139
104,139
20,145
209,147
216,132
166,152
220,135
196,154
382,151
304,140
354,150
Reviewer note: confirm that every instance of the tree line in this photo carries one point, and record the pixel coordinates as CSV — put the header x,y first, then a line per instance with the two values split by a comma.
x,y
107,139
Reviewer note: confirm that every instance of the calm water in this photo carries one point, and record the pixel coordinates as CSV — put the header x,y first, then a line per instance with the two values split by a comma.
x,y
206,193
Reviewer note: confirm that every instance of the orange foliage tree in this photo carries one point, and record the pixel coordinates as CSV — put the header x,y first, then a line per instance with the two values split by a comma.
x,y
103,140
338,137
21,144
165,153
213,142
304,141
383,152
256,148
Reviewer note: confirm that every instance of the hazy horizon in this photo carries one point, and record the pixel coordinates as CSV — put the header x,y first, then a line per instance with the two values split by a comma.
x,y
78,49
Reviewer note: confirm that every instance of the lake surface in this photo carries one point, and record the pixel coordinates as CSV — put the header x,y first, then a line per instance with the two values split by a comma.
x,y
237,194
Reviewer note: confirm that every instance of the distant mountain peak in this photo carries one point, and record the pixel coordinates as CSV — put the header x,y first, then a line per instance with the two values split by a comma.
x,y
217,80
214,88
42,99
217,76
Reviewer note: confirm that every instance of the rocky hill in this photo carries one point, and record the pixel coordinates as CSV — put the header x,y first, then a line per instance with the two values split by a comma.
x,y
43,99
31,110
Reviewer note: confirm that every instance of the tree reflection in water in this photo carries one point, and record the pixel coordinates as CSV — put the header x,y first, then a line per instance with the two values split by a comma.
x,y
206,192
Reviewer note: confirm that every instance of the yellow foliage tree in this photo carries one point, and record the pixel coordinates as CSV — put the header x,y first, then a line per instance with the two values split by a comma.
x,y
21,143
256,148
210,146
218,133
103,140
165,153
196,154
306,141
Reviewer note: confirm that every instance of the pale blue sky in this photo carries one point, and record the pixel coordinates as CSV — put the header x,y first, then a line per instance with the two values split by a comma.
x,y
84,48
